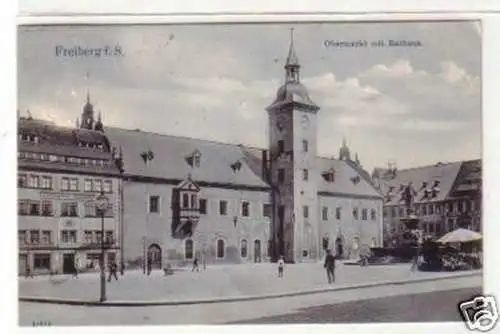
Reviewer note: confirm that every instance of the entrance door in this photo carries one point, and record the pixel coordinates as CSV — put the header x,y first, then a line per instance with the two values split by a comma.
x,y
68,263
23,261
339,247
154,255
256,251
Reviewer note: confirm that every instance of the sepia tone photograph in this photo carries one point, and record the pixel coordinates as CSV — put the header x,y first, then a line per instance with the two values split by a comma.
x,y
264,173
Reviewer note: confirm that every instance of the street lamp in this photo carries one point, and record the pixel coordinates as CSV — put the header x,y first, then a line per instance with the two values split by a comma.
x,y
101,205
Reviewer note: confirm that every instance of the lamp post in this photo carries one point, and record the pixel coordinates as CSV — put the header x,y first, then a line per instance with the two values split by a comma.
x,y
102,205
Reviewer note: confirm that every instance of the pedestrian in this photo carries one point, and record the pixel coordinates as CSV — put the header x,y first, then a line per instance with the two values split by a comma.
x,y
28,272
75,270
113,269
195,264
281,265
414,263
330,266
149,266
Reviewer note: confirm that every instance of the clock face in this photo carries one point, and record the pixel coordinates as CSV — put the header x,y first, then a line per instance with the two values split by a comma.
x,y
305,121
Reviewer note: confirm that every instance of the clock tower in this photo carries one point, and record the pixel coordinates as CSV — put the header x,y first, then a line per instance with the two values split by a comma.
x,y
293,170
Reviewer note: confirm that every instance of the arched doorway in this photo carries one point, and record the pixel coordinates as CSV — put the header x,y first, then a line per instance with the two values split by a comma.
x,y
339,246
256,251
154,256
188,249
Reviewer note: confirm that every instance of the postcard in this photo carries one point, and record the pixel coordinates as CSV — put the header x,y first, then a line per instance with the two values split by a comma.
x,y
251,173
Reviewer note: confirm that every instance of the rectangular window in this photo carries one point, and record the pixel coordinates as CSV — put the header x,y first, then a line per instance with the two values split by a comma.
x,y
98,237
90,210
355,213
35,237
68,236
22,180
267,210
47,208
46,182
431,209
281,146
401,212
22,236
338,213
364,214
97,186
23,207
203,206
108,186
69,209
65,184
41,261
110,238
424,210
154,204
305,145
324,213
373,214
305,175
305,210
73,184
109,213
281,213
88,235
185,200
281,176
33,181
87,185
46,237
222,208
34,208
245,209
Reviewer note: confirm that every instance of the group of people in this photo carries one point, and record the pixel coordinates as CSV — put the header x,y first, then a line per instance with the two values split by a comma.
x,y
329,266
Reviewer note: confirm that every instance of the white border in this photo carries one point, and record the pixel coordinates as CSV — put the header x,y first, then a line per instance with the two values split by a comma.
x,y
136,7
491,101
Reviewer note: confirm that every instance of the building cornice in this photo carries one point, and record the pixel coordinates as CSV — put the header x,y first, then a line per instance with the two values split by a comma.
x,y
354,196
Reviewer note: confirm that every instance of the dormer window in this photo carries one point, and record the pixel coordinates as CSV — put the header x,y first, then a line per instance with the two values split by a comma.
x,y
236,166
424,185
194,159
329,175
356,179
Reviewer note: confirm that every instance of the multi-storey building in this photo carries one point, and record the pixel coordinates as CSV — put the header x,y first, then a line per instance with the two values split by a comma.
x,y
236,204
60,173
447,196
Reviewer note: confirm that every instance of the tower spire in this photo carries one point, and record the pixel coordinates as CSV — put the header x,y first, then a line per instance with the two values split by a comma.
x,y
292,62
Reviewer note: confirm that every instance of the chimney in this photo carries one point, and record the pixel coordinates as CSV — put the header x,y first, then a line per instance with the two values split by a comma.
x,y
265,165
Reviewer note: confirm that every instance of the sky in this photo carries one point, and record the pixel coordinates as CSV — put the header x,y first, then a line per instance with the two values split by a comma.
x,y
409,105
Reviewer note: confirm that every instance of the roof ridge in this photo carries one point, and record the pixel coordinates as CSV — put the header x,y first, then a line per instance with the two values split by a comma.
x,y
182,137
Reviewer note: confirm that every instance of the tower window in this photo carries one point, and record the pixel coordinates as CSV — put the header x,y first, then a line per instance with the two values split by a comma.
x,y
325,213
281,176
245,209
305,145
338,213
203,206
306,211
305,175
154,203
223,208
281,146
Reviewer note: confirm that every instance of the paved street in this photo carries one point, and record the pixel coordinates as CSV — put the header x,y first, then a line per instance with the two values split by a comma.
x,y
255,311
215,282
437,306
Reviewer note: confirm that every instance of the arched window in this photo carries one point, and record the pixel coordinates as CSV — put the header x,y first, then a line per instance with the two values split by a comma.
x,y
193,201
189,249
244,248
185,201
220,249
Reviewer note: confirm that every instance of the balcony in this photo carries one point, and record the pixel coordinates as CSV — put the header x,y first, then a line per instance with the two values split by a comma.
x,y
109,243
25,245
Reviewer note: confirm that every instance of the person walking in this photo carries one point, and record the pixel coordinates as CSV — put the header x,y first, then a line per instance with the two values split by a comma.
x,y
330,266
75,269
281,265
150,264
195,264
113,269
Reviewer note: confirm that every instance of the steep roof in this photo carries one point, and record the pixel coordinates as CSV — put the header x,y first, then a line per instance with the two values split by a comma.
x,y
171,153
445,173
347,180
217,161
